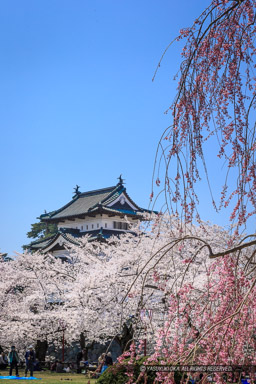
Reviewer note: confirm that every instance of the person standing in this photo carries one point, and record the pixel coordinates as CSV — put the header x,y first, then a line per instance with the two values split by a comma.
x,y
30,357
13,360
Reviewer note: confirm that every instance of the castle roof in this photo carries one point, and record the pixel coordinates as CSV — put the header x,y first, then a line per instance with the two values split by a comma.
x,y
94,202
69,236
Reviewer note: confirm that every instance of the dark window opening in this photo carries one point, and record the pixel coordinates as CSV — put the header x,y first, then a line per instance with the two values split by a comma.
x,y
120,225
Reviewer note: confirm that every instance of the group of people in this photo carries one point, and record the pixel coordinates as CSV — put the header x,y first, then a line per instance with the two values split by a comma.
x,y
59,367
14,360
104,361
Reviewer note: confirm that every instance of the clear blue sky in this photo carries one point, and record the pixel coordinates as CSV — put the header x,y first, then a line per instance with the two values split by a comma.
x,y
78,105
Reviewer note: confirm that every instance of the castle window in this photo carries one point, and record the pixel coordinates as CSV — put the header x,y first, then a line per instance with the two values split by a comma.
x,y
98,225
82,227
106,225
120,225
92,226
87,227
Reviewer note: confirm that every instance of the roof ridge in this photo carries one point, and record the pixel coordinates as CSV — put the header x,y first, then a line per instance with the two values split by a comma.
x,y
97,191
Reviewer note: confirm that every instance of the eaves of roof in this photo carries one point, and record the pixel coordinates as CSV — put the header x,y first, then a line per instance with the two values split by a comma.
x,y
73,237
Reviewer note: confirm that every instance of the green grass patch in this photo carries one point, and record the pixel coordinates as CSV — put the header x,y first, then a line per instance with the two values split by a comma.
x,y
49,378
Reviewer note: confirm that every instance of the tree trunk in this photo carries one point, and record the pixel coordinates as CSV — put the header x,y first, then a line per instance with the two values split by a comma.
x,y
41,349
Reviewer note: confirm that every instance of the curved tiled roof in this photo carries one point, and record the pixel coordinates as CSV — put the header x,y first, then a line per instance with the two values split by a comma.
x,y
72,236
92,201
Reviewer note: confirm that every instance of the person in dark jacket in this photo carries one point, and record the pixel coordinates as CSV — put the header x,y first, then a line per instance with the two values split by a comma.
x,y
30,357
13,360
82,356
108,359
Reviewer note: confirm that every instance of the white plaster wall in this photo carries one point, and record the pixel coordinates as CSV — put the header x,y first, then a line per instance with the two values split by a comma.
x,y
98,220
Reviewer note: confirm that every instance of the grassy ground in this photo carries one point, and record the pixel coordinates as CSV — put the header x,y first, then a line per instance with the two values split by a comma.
x,y
50,378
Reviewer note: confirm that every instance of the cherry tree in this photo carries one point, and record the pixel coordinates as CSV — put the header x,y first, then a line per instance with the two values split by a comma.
x,y
213,111
104,286
27,310
202,303
211,321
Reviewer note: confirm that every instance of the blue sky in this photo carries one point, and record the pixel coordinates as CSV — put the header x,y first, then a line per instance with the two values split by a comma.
x,y
78,105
